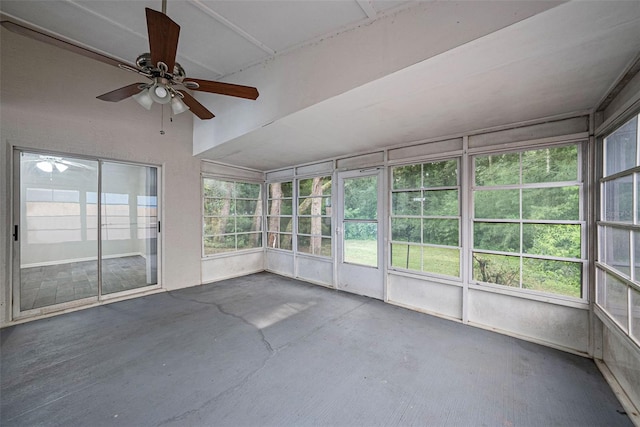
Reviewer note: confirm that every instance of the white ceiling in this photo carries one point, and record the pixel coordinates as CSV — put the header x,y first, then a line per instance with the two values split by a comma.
x,y
217,38
560,60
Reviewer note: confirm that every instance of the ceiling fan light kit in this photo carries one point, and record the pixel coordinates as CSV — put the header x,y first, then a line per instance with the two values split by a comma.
x,y
169,80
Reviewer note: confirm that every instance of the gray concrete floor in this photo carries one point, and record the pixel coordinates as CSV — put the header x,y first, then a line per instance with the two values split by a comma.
x,y
267,350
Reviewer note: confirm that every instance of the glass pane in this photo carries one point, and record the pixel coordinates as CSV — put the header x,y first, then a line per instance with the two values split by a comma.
x,y
314,245
319,186
636,239
316,225
219,207
550,165
249,241
219,225
620,148
618,199
560,240
247,207
219,244
246,190
499,269
615,300
635,314
496,236
556,277
440,174
498,169
406,203
407,177
218,189
440,231
315,206
497,204
279,224
286,241
279,190
406,256
279,241
616,250
361,197
441,261
638,198
441,203
405,230
129,227
245,224
559,203
58,211
361,243
280,207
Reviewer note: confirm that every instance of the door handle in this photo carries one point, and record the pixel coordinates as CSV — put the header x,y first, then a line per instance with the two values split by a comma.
x,y
15,232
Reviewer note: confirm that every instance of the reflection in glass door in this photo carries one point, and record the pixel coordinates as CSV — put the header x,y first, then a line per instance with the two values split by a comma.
x,y
360,246
129,224
56,236
57,241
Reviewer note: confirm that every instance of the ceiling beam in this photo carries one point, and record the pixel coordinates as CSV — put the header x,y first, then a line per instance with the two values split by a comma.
x,y
233,27
368,8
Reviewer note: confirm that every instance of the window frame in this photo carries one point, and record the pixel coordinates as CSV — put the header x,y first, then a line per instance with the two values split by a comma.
x,y
605,271
299,199
268,216
235,233
582,156
422,189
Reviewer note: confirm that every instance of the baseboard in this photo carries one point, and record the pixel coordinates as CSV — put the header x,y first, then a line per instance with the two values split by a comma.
x,y
632,412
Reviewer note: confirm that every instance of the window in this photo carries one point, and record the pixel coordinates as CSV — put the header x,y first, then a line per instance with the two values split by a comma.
x,y
314,216
280,215
618,266
425,218
527,220
232,216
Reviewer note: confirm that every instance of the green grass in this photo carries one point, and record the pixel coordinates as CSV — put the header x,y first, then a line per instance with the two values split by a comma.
x,y
430,259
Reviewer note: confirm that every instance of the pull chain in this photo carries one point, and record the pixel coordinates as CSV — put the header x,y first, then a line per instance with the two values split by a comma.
x,y
162,120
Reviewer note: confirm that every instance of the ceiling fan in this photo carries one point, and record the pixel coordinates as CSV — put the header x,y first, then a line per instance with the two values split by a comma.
x,y
167,78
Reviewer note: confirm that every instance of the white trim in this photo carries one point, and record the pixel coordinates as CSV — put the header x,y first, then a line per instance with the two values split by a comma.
x,y
632,412
531,295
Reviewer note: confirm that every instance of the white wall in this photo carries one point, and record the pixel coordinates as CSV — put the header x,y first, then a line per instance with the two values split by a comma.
x,y
48,103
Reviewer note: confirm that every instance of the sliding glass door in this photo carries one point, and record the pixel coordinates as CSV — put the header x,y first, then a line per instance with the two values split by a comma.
x,y
83,229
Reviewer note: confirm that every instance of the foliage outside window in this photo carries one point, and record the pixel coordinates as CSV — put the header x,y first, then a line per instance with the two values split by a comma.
x,y
527,225
232,216
280,215
425,218
314,216
618,266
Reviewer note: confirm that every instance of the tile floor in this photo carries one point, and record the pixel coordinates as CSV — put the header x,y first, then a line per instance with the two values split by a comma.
x,y
56,284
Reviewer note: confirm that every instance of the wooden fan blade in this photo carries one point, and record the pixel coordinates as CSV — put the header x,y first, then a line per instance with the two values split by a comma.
x,y
163,38
122,93
55,41
229,89
195,107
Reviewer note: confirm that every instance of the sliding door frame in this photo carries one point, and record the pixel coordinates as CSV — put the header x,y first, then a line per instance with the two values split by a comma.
x,y
16,226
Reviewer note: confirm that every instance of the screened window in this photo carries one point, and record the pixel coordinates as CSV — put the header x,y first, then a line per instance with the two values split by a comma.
x,y
527,220
280,215
314,216
425,218
618,266
232,216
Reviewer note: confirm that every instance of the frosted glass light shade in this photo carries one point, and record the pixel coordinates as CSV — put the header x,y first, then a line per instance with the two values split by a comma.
x,y
178,106
61,167
143,98
160,94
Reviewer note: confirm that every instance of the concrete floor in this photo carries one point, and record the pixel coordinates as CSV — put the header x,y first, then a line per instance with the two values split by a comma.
x,y
266,350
